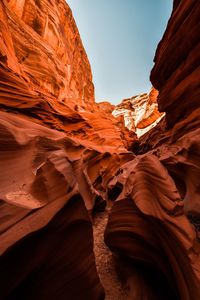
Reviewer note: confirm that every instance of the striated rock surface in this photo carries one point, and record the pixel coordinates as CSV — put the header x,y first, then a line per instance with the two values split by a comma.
x,y
63,158
47,194
176,71
158,247
51,136
154,227
49,49
139,113
51,84
175,75
49,263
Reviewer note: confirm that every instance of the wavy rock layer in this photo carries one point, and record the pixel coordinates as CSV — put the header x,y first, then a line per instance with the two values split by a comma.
x,y
49,263
57,177
27,83
139,113
148,229
50,189
49,186
150,226
49,49
176,71
63,160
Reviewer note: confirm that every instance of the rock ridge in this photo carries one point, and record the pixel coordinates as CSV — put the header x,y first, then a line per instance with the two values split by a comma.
x,y
64,158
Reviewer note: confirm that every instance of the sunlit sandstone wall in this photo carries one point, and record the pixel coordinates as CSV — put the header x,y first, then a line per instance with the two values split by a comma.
x,y
139,113
49,50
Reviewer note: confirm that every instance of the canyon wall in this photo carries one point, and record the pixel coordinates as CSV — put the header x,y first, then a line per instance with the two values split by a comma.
x,y
49,50
63,158
45,74
56,145
177,63
137,230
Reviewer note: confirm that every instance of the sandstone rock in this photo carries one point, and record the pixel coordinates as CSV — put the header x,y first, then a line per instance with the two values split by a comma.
x,y
147,227
176,71
139,113
58,180
50,263
174,74
62,158
106,106
25,91
169,181
49,49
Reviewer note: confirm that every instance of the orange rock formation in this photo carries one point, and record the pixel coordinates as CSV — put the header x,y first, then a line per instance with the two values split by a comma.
x,y
63,157
46,74
139,113
154,226
49,49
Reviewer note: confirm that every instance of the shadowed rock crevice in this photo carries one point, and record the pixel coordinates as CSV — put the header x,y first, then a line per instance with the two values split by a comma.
x,y
143,281
142,263
114,288
113,193
31,266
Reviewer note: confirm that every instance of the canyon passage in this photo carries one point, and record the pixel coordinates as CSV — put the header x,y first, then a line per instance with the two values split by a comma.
x,y
96,201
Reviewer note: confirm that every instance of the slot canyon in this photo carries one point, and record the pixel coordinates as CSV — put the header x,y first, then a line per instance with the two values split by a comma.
x,y
97,201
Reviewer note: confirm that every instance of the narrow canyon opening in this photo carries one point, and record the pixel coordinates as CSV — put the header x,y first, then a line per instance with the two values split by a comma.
x,y
113,287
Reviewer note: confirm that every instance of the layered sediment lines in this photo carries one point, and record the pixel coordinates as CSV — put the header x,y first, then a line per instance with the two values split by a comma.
x,y
49,50
151,234
176,70
149,225
139,113
51,84
50,186
63,159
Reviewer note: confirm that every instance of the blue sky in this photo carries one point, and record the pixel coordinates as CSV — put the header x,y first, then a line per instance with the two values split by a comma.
x,y
120,38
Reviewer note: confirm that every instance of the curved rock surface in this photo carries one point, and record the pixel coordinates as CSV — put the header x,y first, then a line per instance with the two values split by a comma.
x,y
63,158
176,70
160,196
139,113
23,88
49,49
148,226
49,263
51,178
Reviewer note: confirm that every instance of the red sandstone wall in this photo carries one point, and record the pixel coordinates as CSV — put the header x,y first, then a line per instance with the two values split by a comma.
x,y
49,50
177,63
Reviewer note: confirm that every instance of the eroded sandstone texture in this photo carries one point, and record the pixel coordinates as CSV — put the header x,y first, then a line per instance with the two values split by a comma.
x,y
45,74
139,113
62,158
49,49
149,227
176,71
